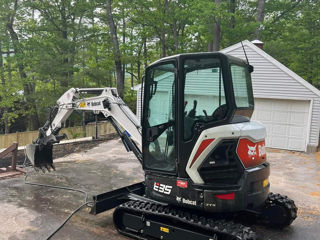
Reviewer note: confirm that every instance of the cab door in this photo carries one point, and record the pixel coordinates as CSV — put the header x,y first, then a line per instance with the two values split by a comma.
x,y
205,92
159,121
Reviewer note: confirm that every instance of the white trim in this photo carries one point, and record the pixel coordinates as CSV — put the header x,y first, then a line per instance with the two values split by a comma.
x,y
275,62
286,98
256,41
309,124
317,129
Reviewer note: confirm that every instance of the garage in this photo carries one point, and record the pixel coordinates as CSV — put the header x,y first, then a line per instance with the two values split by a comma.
x,y
286,122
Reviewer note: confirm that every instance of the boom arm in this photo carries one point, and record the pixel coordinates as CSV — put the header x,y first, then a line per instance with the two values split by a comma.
x,y
105,101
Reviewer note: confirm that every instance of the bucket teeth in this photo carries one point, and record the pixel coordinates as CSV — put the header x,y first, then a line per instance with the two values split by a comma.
x,y
48,168
45,168
53,167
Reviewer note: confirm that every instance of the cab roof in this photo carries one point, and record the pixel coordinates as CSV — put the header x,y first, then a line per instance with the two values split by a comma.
x,y
197,55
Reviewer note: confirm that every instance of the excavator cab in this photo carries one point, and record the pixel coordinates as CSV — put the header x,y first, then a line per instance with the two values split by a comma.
x,y
186,94
197,132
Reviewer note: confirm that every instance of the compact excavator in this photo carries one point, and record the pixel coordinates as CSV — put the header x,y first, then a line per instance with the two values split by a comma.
x,y
204,158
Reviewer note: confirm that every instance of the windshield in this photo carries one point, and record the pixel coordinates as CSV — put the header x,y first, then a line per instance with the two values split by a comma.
x,y
242,88
204,94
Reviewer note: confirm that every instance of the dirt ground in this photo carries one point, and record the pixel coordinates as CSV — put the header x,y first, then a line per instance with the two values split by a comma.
x,y
33,212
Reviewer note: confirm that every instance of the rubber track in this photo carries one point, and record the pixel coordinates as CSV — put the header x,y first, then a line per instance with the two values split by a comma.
x,y
234,230
285,202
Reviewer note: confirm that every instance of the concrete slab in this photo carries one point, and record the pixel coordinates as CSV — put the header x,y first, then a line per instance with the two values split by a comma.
x,y
31,212
296,175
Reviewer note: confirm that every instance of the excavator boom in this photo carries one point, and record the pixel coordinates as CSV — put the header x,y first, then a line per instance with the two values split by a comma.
x,y
100,100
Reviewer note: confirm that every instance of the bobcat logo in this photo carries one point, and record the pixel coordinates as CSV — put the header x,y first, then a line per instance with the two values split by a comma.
x,y
252,151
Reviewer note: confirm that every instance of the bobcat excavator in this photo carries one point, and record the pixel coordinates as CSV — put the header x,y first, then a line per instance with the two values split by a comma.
x,y
204,160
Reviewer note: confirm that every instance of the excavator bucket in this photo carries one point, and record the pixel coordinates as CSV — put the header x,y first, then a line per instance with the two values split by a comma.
x,y
40,156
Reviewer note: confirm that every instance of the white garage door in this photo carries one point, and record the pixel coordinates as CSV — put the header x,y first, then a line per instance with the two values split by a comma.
x,y
286,122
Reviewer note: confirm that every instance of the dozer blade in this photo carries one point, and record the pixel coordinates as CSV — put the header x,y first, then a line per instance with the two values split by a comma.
x,y
40,156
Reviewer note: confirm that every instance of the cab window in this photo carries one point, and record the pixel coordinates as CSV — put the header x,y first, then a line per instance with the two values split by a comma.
x,y
204,94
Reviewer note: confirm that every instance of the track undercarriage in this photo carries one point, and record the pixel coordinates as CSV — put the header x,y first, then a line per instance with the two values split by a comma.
x,y
147,220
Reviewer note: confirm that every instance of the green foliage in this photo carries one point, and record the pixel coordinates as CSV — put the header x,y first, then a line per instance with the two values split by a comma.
x,y
75,135
10,104
296,40
64,43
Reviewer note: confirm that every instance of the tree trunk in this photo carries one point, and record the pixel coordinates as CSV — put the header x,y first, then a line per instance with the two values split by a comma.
x,y
139,63
132,80
260,17
124,42
145,52
216,30
182,37
17,51
170,10
175,35
8,65
1,66
3,82
6,121
210,44
232,10
217,36
64,34
139,69
162,38
33,120
116,49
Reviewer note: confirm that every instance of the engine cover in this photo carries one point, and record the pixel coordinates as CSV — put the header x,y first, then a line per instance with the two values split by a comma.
x,y
209,139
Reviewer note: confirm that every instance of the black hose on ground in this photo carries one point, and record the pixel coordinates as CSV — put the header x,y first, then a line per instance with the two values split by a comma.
x,y
86,203
67,219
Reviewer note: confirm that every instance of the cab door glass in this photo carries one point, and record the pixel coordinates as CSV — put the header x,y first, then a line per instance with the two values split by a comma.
x,y
160,118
